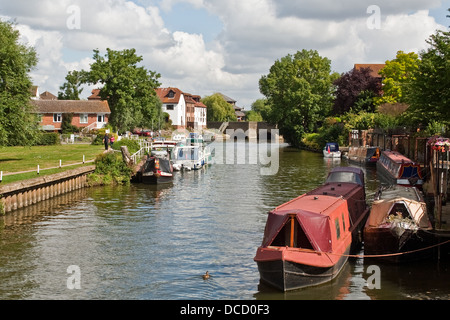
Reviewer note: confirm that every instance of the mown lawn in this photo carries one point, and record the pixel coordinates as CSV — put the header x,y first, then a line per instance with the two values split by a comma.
x,y
19,159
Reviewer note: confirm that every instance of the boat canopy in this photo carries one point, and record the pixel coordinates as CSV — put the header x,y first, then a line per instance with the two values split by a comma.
x,y
314,226
332,146
407,208
346,175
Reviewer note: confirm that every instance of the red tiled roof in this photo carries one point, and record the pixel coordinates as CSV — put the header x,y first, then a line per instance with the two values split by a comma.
x,y
48,96
163,94
376,67
71,106
95,95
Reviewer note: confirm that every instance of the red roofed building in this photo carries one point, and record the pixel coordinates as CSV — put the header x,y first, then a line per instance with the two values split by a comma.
x,y
86,114
184,109
375,67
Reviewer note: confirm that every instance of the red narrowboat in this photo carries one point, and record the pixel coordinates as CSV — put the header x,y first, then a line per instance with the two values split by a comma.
x,y
308,239
396,169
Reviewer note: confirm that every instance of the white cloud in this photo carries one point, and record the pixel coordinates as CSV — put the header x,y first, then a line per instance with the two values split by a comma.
x,y
255,34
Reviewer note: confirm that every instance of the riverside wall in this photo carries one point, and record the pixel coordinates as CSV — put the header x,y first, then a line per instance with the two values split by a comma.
x,y
21,194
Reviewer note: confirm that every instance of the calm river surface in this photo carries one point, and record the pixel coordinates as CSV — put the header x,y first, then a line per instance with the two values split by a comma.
x,y
148,242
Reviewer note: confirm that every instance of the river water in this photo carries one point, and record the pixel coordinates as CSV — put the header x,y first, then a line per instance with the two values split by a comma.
x,y
153,242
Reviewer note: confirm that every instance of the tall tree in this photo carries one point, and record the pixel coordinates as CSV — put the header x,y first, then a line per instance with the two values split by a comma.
x,y
355,90
71,90
18,123
299,89
218,109
261,107
428,90
396,75
128,87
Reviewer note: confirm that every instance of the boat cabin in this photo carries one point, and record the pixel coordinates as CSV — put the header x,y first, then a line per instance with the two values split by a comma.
x,y
331,147
308,222
395,168
397,204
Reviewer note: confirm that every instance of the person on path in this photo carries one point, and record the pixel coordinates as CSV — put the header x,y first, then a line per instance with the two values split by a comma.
x,y
112,141
106,141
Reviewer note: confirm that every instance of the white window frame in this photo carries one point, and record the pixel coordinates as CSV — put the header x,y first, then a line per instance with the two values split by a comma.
x,y
84,118
57,117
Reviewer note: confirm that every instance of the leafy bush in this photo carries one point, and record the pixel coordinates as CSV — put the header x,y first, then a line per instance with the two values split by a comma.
x,y
311,141
47,139
133,145
111,169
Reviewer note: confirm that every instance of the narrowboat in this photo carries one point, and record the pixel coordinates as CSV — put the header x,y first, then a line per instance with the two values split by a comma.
x,y
307,240
398,228
158,167
157,170
394,168
331,150
364,155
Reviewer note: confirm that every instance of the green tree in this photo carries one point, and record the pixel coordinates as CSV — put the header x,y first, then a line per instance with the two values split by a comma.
x,y
261,107
396,75
299,89
71,90
428,91
18,122
218,109
128,88
253,116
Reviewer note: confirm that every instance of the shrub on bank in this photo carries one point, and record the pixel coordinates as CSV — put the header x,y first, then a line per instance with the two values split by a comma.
x,y
110,169
47,139
132,145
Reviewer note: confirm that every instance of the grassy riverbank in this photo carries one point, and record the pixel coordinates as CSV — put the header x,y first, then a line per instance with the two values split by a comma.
x,y
16,161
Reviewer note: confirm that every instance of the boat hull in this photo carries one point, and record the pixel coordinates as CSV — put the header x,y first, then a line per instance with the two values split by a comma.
x,y
333,155
287,275
383,244
151,178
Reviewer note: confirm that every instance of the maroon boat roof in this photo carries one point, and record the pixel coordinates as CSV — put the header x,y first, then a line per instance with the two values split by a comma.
x,y
312,213
397,157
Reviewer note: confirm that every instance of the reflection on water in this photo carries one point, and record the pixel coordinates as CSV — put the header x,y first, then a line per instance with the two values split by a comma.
x,y
155,242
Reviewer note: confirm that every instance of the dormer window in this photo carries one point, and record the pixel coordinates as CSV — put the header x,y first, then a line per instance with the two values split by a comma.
x,y
171,95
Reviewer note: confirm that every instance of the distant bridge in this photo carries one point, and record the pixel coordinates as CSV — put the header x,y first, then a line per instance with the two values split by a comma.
x,y
251,129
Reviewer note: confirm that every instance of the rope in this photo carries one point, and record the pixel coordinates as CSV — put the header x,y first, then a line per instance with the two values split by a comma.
x,y
387,254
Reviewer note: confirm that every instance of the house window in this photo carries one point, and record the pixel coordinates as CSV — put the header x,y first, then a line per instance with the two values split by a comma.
x,y
101,118
57,117
83,118
170,107
171,94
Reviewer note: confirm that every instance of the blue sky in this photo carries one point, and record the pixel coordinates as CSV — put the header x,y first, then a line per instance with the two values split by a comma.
x,y
185,17
207,46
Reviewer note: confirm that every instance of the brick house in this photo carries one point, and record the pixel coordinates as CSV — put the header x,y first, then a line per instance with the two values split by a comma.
x,y
86,114
185,110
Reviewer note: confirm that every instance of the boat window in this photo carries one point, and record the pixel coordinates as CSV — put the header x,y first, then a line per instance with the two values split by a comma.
x,y
343,222
338,229
292,235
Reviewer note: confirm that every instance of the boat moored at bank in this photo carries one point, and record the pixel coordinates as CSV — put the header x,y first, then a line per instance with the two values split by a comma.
x,y
331,150
308,239
393,168
398,228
